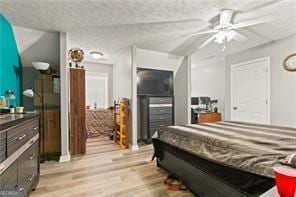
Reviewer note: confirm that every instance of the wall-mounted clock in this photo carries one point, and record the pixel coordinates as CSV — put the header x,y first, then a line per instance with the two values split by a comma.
x,y
290,62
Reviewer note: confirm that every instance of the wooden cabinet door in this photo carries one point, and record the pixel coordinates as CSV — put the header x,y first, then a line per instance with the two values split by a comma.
x,y
77,112
52,131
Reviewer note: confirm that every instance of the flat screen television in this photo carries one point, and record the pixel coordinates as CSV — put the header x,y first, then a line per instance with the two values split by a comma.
x,y
155,82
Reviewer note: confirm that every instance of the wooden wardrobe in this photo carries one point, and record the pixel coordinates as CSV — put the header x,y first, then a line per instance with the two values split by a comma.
x,y
77,111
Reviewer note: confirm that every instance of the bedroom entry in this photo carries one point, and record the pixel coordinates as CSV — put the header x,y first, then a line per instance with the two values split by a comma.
x,y
250,93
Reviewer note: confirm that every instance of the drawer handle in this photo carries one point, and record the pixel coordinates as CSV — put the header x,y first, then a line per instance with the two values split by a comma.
x,y
32,156
2,167
35,128
31,142
21,137
161,110
31,178
161,118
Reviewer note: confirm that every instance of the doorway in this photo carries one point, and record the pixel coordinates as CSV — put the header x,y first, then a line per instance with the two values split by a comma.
x,y
250,91
99,117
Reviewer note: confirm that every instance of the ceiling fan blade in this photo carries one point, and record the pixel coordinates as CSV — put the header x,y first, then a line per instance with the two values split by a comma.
x,y
253,22
203,32
226,16
235,36
207,42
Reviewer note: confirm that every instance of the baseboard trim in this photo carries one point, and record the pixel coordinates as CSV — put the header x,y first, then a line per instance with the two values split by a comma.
x,y
64,158
133,147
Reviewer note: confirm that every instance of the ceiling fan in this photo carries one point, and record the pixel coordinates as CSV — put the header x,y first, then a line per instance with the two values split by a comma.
x,y
225,29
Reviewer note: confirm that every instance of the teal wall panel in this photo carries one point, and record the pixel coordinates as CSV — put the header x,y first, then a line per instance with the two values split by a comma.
x,y
10,63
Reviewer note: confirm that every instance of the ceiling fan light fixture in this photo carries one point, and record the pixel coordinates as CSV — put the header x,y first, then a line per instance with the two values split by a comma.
x,y
220,37
96,55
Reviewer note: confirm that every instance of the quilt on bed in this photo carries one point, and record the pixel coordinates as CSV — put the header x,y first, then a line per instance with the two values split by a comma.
x,y
249,147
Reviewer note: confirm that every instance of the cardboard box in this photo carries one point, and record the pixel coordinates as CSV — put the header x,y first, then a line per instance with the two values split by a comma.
x,y
50,99
44,77
47,86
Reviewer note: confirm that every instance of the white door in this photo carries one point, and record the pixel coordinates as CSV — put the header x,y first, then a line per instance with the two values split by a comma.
x,y
250,91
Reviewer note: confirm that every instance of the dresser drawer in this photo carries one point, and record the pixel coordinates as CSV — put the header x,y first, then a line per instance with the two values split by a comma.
x,y
161,124
160,110
18,136
2,138
161,117
2,152
28,167
2,146
8,179
161,100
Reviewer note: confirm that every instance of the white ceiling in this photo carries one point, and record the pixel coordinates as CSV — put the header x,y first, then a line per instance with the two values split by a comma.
x,y
109,25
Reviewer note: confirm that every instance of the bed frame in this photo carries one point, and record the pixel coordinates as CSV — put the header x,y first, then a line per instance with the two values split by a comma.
x,y
201,182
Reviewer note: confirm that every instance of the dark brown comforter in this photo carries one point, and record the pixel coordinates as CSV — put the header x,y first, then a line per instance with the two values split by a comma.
x,y
249,147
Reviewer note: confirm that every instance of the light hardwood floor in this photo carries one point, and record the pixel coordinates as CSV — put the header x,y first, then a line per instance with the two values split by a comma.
x,y
105,171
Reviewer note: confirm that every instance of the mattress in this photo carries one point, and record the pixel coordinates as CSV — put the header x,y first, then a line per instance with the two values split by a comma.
x,y
253,148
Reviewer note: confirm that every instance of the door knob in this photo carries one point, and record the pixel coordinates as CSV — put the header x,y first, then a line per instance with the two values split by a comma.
x,y
235,108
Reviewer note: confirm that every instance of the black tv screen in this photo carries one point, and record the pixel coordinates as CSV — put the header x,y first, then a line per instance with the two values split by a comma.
x,y
154,82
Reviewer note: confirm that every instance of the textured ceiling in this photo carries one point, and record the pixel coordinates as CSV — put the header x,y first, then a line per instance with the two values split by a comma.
x,y
109,25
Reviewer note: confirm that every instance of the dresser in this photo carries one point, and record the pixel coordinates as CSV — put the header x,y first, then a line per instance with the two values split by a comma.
x,y
154,112
19,156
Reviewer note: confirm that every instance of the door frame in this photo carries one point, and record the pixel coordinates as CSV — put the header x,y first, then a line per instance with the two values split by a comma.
x,y
267,60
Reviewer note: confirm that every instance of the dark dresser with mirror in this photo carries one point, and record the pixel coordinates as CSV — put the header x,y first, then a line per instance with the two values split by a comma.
x,y
19,151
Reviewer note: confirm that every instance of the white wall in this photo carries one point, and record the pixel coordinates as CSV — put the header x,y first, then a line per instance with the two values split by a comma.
x,y
157,60
182,93
34,46
209,80
122,75
92,67
283,83
65,101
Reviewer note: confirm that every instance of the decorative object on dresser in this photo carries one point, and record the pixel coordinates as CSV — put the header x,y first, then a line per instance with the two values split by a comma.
x,y
121,122
19,155
77,111
154,112
75,55
10,98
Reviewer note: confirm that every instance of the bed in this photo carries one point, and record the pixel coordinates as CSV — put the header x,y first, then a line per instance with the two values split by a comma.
x,y
224,158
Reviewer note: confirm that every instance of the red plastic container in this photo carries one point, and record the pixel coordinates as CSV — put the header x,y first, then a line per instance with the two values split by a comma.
x,y
285,179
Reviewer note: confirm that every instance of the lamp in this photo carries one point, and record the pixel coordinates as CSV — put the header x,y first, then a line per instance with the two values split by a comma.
x,y
42,68
96,55
30,92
